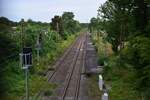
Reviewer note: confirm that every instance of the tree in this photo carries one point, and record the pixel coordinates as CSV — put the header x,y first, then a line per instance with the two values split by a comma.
x,y
69,24
141,15
116,16
65,24
93,24
68,16
56,25
7,48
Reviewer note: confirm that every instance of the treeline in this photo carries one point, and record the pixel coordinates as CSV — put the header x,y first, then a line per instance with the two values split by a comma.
x,y
125,24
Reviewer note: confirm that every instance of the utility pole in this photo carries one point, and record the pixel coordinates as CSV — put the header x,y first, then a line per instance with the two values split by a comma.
x,y
38,46
27,86
38,51
22,34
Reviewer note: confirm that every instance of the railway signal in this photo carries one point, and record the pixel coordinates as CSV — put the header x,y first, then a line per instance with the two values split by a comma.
x,y
38,46
26,62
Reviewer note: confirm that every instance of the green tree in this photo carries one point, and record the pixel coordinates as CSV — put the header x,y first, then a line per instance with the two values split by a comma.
x,y
69,24
93,26
116,18
57,26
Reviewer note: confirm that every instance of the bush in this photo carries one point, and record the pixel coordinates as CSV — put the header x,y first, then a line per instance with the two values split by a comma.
x,y
137,54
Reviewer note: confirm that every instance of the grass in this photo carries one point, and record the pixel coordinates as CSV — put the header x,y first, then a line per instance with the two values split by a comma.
x,y
93,90
122,84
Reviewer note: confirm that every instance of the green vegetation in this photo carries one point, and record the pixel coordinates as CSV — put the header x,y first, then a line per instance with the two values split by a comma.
x,y
65,24
93,88
14,36
122,38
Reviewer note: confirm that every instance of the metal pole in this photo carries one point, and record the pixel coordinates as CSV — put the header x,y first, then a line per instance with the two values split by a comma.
x,y
38,55
22,33
38,50
26,79
27,89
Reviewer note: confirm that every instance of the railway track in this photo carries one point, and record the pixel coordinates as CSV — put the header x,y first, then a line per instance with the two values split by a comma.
x,y
67,74
72,82
64,61
82,70
61,60
51,75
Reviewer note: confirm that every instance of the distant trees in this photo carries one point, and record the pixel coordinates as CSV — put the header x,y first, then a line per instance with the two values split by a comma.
x,y
70,25
4,20
6,24
65,24
93,26
84,25
56,25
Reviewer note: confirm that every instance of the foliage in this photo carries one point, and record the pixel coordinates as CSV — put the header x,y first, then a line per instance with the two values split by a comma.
x,y
84,25
103,48
12,76
125,25
56,25
65,24
137,54
7,47
119,78
116,21
70,25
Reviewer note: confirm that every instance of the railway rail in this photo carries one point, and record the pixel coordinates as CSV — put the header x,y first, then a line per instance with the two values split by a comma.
x,y
61,60
50,75
74,76
67,73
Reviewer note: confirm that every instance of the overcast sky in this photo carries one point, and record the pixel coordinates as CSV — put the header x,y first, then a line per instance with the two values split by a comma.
x,y
44,10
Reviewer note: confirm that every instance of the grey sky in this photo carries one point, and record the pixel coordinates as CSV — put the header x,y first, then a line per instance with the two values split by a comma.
x,y
44,10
